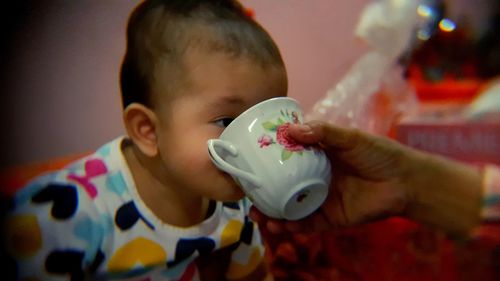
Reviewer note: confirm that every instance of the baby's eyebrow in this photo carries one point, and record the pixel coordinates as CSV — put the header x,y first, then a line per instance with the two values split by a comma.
x,y
227,100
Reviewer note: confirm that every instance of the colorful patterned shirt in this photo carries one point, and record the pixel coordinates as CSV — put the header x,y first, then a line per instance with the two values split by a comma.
x,y
88,221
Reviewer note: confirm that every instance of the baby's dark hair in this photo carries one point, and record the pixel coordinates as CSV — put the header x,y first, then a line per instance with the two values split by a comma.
x,y
160,32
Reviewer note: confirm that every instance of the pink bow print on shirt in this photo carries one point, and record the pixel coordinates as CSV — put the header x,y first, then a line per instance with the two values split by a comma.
x,y
93,168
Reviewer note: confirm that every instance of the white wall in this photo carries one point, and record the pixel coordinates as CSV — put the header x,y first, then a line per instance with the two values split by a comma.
x,y
61,94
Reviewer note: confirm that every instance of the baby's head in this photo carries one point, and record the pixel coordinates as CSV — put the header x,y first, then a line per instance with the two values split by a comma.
x,y
189,69
161,33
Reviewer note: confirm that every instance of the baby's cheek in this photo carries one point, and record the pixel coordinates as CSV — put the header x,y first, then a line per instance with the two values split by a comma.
x,y
196,159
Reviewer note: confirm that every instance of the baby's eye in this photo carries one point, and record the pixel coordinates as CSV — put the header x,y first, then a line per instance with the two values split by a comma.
x,y
223,122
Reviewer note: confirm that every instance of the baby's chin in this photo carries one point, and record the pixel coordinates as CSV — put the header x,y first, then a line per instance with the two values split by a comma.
x,y
236,195
234,191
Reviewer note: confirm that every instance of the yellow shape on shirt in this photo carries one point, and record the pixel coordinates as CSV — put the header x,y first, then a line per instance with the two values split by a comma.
x,y
237,270
138,251
23,235
231,233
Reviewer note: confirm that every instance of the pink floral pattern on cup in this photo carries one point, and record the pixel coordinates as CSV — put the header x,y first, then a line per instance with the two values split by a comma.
x,y
279,129
265,140
284,139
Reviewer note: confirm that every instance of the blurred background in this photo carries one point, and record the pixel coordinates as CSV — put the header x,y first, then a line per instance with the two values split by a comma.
x,y
425,72
60,64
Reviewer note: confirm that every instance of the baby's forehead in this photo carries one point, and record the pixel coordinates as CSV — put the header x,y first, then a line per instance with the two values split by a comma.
x,y
200,68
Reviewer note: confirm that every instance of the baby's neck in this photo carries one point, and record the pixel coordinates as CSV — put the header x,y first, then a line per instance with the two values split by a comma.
x,y
171,205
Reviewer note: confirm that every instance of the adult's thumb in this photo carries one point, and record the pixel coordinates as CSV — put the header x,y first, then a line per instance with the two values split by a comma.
x,y
325,133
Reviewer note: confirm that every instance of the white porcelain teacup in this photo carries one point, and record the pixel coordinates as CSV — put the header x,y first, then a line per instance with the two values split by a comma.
x,y
284,179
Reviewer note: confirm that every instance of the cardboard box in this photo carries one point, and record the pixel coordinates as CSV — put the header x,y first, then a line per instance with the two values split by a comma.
x,y
441,129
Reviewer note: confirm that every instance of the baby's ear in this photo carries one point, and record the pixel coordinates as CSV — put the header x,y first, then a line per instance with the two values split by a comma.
x,y
140,123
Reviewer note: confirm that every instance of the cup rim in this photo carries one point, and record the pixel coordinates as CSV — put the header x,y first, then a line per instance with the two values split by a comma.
x,y
247,111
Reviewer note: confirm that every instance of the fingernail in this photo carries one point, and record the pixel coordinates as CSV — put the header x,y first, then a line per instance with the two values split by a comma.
x,y
304,129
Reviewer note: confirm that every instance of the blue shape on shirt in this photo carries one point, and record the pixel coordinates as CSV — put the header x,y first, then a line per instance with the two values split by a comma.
x,y
116,184
187,247
64,199
25,194
128,215
104,150
92,233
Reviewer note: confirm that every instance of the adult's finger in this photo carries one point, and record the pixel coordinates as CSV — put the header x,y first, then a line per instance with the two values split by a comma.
x,y
256,215
322,132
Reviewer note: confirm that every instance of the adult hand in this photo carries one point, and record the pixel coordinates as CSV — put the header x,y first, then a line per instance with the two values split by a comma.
x,y
367,178
374,177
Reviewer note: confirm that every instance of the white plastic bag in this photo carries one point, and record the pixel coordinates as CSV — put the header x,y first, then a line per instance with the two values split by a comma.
x,y
373,93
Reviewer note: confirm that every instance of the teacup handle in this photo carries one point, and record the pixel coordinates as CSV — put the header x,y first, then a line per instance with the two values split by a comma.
x,y
225,166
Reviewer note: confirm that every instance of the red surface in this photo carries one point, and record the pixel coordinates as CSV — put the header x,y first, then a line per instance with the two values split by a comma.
x,y
15,177
395,249
447,89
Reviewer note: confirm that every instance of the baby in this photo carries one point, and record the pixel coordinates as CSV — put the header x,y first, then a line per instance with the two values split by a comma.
x,y
151,205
